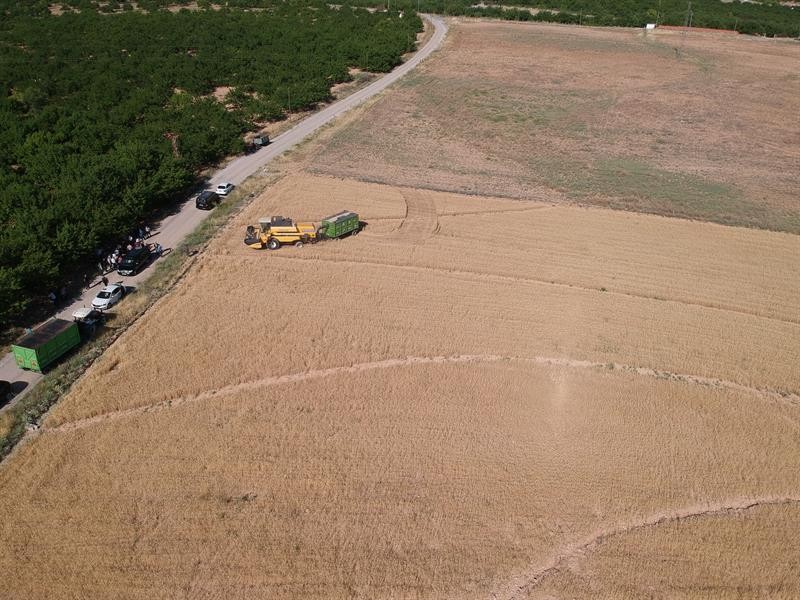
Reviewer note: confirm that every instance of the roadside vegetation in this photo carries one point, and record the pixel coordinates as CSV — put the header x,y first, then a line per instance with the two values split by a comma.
x,y
107,118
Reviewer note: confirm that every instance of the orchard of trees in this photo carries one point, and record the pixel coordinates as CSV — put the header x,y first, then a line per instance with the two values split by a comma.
x,y
88,98
761,17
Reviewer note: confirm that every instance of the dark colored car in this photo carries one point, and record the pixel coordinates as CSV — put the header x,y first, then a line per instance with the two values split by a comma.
x,y
5,391
207,200
257,143
134,260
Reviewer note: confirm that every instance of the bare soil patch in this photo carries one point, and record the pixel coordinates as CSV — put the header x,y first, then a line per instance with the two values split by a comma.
x,y
691,125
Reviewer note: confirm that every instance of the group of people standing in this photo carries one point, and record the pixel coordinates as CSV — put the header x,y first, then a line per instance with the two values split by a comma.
x,y
113,259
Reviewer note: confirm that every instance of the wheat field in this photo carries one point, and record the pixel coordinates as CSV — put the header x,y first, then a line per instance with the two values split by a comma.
x,y
474,398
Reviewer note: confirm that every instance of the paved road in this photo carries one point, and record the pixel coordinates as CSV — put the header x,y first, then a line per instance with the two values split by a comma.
x,y
176,226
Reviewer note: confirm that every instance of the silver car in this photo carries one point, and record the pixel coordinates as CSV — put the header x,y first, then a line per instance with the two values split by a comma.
x,y
108,296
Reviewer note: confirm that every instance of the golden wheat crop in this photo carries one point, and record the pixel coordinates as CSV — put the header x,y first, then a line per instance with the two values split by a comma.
x,y
473,398
683,297
440,478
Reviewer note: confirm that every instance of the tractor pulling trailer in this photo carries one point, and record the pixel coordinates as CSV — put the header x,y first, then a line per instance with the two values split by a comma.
x,y
274,232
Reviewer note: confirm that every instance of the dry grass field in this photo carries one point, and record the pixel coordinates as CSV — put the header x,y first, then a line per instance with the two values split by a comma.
x,y
702,126
477,397
474,398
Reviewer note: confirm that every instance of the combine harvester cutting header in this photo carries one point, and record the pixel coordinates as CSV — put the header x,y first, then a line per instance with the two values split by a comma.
x,y
274,232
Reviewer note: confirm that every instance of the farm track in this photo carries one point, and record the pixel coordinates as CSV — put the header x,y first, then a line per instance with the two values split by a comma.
x,y
530,581
764,394
543,281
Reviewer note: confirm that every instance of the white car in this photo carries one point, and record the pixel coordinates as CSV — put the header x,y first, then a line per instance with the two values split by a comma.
x,y
108,296
223,189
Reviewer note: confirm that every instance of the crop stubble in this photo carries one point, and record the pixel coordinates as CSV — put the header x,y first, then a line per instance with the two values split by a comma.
x,y
440,407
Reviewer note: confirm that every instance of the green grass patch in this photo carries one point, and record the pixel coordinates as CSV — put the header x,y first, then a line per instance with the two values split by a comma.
x,y
629,184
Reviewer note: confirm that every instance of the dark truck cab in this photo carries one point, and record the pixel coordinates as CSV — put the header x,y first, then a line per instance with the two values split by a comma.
x,y
257,143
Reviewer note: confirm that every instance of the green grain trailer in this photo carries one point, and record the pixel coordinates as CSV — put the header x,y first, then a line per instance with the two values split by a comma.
x,y
339,225
45,344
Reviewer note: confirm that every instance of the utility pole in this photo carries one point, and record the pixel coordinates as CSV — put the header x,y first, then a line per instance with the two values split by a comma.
x,y
289,94
689,15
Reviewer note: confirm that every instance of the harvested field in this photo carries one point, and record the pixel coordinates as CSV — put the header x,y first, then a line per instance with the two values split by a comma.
x,y
473,398
693,125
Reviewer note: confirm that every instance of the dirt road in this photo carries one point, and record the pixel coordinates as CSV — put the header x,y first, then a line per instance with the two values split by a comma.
x,y
175,227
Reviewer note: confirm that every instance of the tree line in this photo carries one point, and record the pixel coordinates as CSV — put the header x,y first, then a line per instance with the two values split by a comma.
x,y
768,18
765,17
90,101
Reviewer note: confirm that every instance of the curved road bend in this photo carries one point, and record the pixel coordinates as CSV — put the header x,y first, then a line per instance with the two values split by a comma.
x,y
175,227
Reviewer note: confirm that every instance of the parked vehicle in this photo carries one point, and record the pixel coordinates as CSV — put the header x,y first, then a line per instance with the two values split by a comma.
x,y
108,296
45,344
134,261
207,200
339,225
88,320
225,188
257,143
5,391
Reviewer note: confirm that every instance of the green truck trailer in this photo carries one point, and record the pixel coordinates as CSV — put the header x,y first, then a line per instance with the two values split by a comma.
x,y
45,344
338,225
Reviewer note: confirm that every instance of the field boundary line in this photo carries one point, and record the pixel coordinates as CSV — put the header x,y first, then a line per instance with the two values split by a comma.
x,y
300,376
511,278
525,583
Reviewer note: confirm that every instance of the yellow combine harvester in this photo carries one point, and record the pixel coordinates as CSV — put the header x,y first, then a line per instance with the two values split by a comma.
x,y
274,232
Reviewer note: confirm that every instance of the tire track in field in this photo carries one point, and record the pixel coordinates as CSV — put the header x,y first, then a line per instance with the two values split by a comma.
x,y
708,382
464,213
421,220
497,211
524,584
516,279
